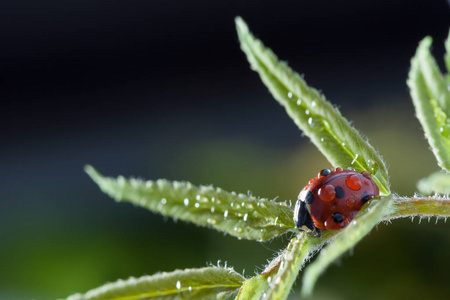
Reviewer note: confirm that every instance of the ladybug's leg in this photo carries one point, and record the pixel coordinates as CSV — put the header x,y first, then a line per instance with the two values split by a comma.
x,y
318,233
302,218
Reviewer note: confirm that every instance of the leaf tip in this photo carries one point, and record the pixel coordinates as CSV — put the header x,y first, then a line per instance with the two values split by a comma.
x,y
92,172
241,26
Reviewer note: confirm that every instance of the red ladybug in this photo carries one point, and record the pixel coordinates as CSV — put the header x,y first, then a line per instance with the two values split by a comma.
x,y
332,199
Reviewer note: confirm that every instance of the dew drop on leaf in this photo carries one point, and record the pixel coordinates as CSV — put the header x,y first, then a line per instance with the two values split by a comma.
x,y
186,201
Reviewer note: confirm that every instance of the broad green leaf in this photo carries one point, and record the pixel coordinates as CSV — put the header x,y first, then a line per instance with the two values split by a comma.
x,y
341,144
205,283
348,238
431,99
435,183
237,214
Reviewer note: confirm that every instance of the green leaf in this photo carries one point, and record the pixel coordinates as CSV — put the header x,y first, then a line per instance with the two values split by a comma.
x,y
348,238
254,288
237,214
341,144
435,183
277,279
431,98
293,258
205,283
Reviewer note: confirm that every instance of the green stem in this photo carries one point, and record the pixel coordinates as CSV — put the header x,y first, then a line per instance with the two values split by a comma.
x,y
419,206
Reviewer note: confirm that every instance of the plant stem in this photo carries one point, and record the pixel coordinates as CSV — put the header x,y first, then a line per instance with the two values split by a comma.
x,y
419,206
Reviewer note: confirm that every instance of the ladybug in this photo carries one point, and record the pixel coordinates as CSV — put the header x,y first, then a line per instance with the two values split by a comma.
x,y
332,199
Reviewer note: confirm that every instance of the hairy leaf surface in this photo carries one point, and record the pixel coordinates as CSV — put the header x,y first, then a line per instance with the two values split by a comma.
x,y
205,283
341,144
431,98
237,214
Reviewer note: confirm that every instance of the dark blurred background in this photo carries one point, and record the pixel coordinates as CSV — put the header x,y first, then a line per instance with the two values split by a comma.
x,y
160,89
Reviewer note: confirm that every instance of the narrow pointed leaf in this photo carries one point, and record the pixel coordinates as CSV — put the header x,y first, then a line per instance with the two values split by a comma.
x,y
348,238
292,260
205,283
253,288
431,99
435,183
341,144
237,214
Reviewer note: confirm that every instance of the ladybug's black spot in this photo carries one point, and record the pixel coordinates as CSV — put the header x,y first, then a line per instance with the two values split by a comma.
x,y
365,197
308,197
325,172
340,193
337,217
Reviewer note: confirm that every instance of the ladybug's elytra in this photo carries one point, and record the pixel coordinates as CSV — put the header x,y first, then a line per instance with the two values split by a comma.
x,y
332,199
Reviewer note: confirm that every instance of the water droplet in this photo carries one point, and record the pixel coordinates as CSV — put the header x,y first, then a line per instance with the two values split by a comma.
x,y
245,217
277,280
232,204
243,204
343,144
186,201
190,288
289,257
310,120
269,279
211,221
354,160
275,222
322,140
198,197
197,205
213,199
289,95
225,214
178,285
163,201
441,129
307,111
313,104
212,209
299,102
238,229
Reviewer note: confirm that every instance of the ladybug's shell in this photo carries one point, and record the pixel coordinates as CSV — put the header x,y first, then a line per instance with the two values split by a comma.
x,y
342,192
